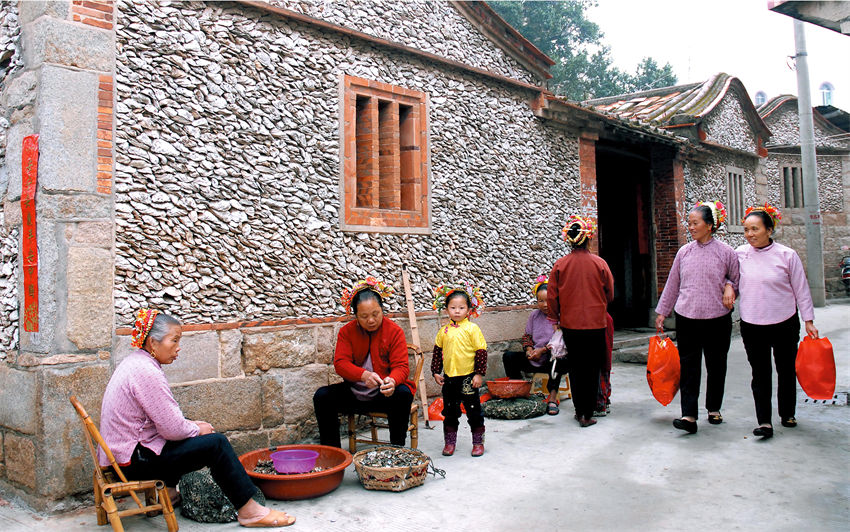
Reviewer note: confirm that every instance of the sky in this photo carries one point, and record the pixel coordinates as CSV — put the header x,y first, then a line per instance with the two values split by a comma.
x,y
740,37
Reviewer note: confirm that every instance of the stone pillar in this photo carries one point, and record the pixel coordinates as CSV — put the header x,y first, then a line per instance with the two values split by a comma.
x,y
63,93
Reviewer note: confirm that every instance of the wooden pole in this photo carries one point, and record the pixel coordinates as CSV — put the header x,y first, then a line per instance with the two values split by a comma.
x,y
414,334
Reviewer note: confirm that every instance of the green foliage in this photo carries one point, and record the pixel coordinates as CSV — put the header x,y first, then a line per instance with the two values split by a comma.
x,y
583,66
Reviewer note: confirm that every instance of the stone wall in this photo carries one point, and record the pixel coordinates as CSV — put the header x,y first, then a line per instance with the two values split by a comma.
x,y
727,125
227,175
784,124
8,288
450,35
703,180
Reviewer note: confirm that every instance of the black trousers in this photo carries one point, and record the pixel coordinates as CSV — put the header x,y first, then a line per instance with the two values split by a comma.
x,y
331,401
758,342
180,457
586,354
516,363
695,337
457,390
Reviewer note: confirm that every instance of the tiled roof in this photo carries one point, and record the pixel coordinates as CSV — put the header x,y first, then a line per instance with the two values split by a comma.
x,y
680,104
768,107
772,105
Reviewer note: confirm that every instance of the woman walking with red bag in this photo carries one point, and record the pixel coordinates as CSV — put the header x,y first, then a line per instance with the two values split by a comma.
x,y
773,288
701,285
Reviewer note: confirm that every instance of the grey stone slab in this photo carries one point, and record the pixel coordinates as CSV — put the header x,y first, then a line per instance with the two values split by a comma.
x,y
278,349
198,358
50,40
228,404
18,399
90,312
299,385
67,104
20,91
273,400
20,460
64,463
62,207
231,353
50,282
32,9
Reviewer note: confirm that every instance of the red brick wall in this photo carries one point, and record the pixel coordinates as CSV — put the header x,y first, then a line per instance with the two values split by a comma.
x,y
587,172
385,174
668,212
94,13
104,135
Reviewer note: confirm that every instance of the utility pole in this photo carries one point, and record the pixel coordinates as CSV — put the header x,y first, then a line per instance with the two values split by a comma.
x,y
814,238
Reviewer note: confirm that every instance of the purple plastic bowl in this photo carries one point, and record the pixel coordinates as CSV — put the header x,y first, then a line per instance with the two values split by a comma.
x,y
294,460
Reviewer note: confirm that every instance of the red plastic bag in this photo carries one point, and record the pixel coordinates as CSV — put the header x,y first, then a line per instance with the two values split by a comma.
x,y
435,410
662,369
816,367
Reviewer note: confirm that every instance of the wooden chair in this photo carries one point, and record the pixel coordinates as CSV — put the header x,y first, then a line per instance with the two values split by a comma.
x,y
375,418
541,379
106,486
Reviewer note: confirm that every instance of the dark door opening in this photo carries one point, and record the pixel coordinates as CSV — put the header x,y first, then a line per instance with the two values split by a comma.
x,y
623,203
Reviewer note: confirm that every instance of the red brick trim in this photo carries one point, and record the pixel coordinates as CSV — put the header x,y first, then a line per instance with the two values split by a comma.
x,y
104,134
385,156
587,171
96,13
126,331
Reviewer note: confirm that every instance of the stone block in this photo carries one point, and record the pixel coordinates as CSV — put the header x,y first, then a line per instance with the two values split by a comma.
x,y
90,311
244,442
1,446
62,207
65,466
67,114
49,327
284,348
12,213
61,42
198,359
282,435
325,343
18,399
98,234
231,353
20,460
299,385
228,404
273,402
32,9
333,376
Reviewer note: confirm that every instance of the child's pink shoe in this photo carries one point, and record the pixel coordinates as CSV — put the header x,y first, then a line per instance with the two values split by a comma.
x,y
478,441
450,435
478,449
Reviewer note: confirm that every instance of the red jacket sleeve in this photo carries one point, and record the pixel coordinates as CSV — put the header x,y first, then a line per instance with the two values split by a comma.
x,y
344,357
399,367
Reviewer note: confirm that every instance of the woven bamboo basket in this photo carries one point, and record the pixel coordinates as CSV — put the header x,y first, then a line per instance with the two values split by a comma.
x,y
392,478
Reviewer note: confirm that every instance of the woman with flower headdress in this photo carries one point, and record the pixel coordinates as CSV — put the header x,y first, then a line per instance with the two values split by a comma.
x,y
773,289
459,362
371,357
701,288
143,426
580,288
536,356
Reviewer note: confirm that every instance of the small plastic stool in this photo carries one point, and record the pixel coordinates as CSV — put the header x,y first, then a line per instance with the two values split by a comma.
x,y
539,381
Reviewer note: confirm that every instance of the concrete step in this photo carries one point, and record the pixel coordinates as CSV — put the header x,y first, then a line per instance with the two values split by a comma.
x,y
632,345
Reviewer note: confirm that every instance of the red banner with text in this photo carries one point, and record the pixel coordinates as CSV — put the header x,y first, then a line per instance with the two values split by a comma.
x,y
29,173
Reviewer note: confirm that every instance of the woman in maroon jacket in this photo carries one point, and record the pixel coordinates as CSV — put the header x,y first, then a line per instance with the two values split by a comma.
x,y
371,357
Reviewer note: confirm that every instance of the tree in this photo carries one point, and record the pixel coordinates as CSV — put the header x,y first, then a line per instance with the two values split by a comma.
x,y
583,66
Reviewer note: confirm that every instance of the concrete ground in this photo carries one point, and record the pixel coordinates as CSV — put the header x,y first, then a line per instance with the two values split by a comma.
x,y
632,471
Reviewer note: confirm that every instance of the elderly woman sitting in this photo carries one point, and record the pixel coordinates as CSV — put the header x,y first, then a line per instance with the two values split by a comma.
x,y
143,425
371,357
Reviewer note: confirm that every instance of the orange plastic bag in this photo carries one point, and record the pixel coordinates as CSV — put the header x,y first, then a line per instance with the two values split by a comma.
x,y
435,410
816,367
662,369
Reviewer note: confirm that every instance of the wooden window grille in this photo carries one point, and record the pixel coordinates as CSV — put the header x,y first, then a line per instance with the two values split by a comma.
x,y
792,187
736,197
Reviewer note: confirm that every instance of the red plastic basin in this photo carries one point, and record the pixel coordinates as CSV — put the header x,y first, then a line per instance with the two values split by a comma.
x,y
299,486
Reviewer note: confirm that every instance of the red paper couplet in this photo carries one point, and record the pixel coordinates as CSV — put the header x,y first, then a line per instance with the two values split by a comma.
x,y
29,174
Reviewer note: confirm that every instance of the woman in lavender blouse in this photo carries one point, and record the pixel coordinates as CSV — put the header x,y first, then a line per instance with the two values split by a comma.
x,y
146,431
773,289
701,288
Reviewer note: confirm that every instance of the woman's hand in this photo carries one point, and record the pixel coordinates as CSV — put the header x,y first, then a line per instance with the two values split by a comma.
x,y
477,381
439,379
659,322
371,379
811,330
535,354
388,386
204,428
729,297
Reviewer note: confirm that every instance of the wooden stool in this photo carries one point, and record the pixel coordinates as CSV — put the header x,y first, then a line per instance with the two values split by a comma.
x,y
540,380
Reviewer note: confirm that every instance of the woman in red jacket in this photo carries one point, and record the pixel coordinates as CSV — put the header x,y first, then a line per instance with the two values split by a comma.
x,y
371,357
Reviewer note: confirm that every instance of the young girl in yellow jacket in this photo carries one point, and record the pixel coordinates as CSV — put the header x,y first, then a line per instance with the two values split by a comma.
x,y
459,363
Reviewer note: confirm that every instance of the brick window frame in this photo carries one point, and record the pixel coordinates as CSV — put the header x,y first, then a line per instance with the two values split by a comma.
x,y
791,187
384,182
736,198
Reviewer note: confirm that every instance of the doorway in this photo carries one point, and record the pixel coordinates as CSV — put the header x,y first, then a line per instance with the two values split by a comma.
x,y
623,205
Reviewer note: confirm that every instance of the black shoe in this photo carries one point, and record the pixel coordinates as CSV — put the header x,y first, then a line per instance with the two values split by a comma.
x,y
688,426
789,422
715,419
764,432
